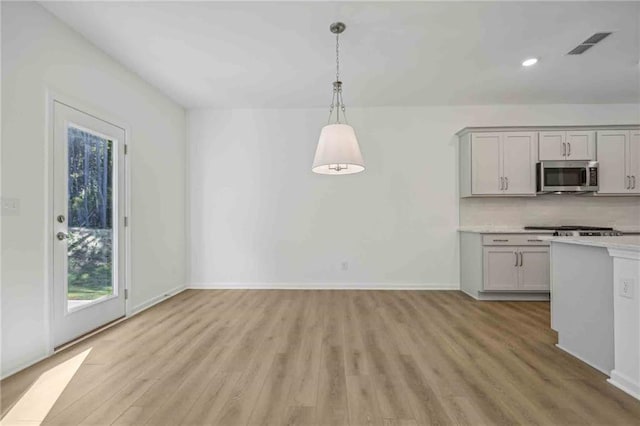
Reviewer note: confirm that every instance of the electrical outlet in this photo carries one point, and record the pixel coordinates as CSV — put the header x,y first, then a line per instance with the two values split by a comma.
x,y
345,266
10,206
627,287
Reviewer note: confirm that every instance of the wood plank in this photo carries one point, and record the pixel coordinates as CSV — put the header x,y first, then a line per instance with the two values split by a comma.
x,y
363,407
329,357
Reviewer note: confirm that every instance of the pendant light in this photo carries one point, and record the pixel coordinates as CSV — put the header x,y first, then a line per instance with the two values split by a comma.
x,y
338,152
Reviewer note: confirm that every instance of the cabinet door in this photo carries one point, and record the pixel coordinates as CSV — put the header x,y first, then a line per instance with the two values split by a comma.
x,y
519,157
485,164
633,160
500,271
533,272
581,146
553,146
612,153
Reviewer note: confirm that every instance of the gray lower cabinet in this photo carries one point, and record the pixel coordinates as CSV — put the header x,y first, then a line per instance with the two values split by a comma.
x,y
504,266
516,268
500,268
533,272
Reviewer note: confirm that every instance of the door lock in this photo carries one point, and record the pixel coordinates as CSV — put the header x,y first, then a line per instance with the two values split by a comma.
x,y
61,236
60,218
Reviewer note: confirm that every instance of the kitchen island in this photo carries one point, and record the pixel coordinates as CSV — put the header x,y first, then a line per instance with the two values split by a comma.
x,y
594,303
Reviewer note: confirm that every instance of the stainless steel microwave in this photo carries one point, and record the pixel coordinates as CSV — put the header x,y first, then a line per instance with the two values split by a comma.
x,y
567,176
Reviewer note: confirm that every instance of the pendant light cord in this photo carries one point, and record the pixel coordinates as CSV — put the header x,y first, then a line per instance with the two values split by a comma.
x,y
337,75
337,57
336,101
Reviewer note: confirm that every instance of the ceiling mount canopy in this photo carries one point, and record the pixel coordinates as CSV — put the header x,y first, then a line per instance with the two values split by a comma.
x,y
338,152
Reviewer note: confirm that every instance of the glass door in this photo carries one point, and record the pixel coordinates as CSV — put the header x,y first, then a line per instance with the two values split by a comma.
x,y
88,240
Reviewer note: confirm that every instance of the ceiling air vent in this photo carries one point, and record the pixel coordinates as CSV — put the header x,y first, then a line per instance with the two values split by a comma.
x,y
580,49
588,43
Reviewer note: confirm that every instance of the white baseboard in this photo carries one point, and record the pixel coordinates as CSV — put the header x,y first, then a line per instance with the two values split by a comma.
x,y
625,384
22,366
506,297
589,363
155,300
134,311
514,297
322,286
469,294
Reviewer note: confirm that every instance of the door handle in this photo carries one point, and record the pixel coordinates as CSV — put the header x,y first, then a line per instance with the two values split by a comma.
x,y
61,236
564,149
569,145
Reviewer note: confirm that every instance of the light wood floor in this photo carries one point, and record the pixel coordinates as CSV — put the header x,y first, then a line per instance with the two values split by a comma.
x,y
331,358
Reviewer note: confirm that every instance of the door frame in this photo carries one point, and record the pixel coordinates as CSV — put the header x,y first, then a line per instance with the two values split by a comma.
x,y
52,96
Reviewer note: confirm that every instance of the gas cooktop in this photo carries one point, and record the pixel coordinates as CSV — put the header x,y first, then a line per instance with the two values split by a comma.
x,y
577,230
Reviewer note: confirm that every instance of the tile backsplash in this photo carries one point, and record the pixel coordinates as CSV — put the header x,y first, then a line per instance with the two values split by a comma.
x,y
551,210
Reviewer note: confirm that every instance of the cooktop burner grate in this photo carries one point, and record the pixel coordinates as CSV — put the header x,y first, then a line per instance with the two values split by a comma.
x,y
568,228
577,230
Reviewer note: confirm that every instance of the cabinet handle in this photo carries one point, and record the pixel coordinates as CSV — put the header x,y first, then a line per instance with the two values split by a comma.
x,y
506,180
500,241
628,179
501,183
521,259
564,149
569,145
516,253
534,241
634,182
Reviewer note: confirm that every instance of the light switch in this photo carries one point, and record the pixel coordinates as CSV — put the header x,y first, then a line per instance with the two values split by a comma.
x,y
627,287
10,206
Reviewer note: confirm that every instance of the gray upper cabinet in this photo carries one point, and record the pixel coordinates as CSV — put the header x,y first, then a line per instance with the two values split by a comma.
x,y
553,146
499,163
634,160
486,164
619,162
519,158
567,145
581,145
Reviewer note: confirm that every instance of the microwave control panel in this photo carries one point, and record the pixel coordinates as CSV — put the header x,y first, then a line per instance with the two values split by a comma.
x,y
593,176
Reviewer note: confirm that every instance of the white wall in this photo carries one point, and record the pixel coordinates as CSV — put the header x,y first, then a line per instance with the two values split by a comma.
x,y
39,52
259,215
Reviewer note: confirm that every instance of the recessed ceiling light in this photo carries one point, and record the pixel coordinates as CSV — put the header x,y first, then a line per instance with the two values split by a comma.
x,y
529,62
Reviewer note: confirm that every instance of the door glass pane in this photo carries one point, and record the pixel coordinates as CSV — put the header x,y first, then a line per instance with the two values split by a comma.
x,y
90,221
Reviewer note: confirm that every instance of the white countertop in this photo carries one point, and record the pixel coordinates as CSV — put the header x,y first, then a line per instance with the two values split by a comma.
x,y
625,242
490,229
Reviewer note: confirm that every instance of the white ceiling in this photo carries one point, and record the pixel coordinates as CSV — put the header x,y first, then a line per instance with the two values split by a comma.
x,y
281,54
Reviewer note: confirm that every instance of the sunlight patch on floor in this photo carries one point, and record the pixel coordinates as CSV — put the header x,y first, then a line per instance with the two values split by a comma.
x,y
36,403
